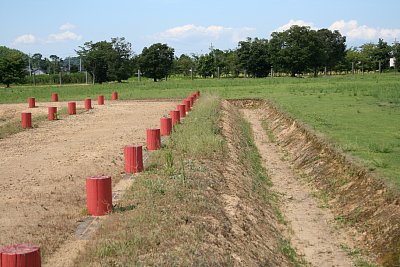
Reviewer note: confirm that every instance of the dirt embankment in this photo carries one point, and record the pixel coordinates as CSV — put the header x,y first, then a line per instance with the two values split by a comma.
x,y
363,202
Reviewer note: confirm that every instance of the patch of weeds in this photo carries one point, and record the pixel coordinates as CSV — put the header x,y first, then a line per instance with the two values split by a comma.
x,y
350,251
323,198
155,186
343,220
169,168
291,254
269,132
380,163
373,147
364,263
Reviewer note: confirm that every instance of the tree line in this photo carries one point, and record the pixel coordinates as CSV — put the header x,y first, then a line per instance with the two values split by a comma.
x,y
295,51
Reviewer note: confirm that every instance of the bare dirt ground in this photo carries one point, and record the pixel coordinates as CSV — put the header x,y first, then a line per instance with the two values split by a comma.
x,y
43,170
313,233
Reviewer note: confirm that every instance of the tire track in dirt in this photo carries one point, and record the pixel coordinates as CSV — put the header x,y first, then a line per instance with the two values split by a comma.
x,y
312,231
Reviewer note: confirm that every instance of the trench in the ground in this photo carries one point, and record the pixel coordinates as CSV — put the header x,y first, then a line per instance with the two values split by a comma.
x,y
364,209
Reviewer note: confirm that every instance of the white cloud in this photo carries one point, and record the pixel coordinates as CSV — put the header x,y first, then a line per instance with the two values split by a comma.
x,y
352,30
191,31
25,39
67,26
294,22
63,36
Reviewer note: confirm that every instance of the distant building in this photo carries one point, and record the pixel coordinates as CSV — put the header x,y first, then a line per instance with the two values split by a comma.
x,y
36,71
392,62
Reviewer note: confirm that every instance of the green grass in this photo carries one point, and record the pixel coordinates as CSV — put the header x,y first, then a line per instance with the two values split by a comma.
x,y
360,114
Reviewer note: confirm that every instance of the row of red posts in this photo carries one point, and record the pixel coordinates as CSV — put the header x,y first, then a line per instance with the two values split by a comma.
x,y
26,255
98,188
26,117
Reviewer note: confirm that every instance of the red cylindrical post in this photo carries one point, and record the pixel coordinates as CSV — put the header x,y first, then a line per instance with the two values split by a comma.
x,y
190,98
100,100
71,108
133,159
153,139
26,120
88,103
114,96
182,110
31,102
52,113
174,116
165,126
21,255
54,97
187,104
99,195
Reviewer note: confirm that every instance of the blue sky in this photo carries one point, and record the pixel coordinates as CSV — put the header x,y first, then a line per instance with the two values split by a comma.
x,y
51,27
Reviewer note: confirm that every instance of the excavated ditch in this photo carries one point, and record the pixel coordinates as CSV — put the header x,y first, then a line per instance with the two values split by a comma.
x,y
367,206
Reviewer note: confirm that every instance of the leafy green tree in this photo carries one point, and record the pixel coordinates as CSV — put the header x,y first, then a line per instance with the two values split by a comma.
x,y
253,57
107,61
205,65
332,46
382,53
184,64
95,58
232,63
156,61
291,50
120,66
13,64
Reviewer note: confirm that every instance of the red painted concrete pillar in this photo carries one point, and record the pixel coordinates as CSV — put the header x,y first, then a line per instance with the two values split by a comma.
x,y
71,108
133,159
153,139
187,104
88,103
165,126
100,100
174,116
182,110
54,97
31,102
26,120
114,96
20,255
99,195
191,101
52,113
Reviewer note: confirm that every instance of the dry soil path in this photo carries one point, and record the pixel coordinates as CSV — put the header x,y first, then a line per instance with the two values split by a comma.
x,y
43,170
313,232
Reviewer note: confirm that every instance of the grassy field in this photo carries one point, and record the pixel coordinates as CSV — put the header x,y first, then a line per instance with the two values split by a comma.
x,y
360,114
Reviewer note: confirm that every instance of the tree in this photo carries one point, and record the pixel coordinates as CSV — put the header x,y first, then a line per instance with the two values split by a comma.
x,y
120,66
13,65
332,47
205,65
107,61
184,64
291,50
156,61
253,57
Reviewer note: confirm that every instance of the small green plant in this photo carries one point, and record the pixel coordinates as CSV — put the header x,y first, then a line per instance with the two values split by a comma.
x,y
169,163
291,254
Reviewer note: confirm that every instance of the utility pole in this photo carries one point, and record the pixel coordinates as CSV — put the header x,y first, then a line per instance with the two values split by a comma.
x,y
380,66
86,78
352,68
215,58
29,60
272,71
80,64
69,64
191,74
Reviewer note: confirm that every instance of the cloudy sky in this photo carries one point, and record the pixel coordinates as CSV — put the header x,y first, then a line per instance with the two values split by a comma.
x,y
190,26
